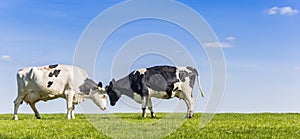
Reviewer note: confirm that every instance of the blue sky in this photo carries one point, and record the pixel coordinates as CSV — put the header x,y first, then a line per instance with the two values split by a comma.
x,y
260,39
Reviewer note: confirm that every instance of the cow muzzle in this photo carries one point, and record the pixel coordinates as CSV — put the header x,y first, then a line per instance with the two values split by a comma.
x,y
112,104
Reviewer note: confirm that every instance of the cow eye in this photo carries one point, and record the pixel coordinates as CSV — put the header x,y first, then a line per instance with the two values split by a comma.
x,y
104,96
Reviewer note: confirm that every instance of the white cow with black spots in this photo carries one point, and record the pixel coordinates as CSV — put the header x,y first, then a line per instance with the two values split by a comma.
x,y
57,81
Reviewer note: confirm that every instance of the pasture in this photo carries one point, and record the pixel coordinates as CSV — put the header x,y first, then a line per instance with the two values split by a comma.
x,y
265,125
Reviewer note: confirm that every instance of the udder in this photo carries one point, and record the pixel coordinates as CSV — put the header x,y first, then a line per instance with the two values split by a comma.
x,y
31,98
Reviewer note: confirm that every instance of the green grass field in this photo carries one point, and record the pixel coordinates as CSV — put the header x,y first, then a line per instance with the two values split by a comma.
x,y
264,125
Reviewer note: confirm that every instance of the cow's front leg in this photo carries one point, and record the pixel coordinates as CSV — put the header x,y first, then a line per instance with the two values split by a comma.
x,y
144,104
151,108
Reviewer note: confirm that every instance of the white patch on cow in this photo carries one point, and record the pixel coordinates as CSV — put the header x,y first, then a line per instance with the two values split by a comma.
x,y
137,97
186,86
186,83
158,94
178,86
141,71
182,68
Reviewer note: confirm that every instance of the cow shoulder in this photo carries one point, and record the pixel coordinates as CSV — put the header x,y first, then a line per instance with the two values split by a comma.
x,y
87,86
135,79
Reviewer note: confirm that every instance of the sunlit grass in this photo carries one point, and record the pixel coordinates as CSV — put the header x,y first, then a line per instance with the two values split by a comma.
x,y
264,125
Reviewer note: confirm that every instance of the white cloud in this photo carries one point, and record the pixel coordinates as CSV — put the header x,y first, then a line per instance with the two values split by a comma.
x,y
5,57
217,44
273,10
288,11
230,38
282,11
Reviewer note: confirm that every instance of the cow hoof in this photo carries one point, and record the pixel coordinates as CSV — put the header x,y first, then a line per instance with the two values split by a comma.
x,y
189,116
144,115
15,118
38,117
153,115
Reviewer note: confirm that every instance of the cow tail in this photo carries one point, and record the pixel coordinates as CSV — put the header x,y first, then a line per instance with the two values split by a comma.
x,y
200,88
198,81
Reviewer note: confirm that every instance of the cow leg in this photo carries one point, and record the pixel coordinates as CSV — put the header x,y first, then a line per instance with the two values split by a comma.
x,y
72,112
144,104
189,103
151,108
69,97
36,113
17,103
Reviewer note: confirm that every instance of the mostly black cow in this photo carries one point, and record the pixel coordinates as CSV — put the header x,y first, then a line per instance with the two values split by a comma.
x,y
163,82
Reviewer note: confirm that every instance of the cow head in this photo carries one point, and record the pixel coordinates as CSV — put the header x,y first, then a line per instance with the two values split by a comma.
x,y
98,96
113,93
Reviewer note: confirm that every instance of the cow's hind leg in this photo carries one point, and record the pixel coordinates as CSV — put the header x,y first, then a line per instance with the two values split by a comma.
x,y
150,107
188,104
189,100
69,97
36,113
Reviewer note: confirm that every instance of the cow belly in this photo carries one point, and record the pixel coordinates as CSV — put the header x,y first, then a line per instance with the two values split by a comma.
x,y
159,94
152,93
50,97
137,98
31,98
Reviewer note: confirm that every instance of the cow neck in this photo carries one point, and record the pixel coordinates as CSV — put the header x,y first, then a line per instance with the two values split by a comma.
x,y
123,85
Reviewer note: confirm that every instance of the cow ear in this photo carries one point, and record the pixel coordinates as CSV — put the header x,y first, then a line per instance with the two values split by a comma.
x,y
112,83
99,84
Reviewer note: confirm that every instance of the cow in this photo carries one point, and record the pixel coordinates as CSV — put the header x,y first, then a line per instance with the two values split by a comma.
x,y
57,81
162,82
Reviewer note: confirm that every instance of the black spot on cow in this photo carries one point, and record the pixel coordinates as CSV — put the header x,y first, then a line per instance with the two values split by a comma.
x,y
192,80
157,82
55,73
135,79
87,86
53,66
169,90
193,70
158,78
49,84
182,75
193,76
